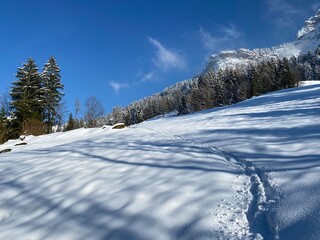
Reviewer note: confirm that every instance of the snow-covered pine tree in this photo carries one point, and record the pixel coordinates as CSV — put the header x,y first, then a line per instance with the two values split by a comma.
x,y
230,86
308,72
138,114
52,86
202,93
117,115
27,97
286,75
274,83
256,81
127,116
183,108
219,90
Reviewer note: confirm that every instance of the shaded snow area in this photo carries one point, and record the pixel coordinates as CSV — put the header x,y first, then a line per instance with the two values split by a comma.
x,y
118,184
248,171
310,82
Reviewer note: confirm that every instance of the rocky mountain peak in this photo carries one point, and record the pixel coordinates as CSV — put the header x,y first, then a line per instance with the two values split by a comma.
x,y
311,28
308,39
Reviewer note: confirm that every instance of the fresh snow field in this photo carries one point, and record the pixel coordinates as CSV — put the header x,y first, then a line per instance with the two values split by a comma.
x,y
247,171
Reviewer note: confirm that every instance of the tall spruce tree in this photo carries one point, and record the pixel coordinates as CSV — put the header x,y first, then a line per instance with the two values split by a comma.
x,y
286,76
51,83
183,108
27,96
71,124
219,90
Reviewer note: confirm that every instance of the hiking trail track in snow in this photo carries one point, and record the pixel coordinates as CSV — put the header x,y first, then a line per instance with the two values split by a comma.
x,y
260,210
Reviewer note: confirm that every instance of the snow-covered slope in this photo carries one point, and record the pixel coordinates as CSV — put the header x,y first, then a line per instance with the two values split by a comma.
x,y
248,171
308,39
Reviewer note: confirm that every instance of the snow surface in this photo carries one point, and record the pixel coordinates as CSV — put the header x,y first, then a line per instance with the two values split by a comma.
x,y
247,171
310,82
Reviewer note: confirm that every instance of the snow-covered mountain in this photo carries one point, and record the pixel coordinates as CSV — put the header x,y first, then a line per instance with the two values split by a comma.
x,y
246,171
308,39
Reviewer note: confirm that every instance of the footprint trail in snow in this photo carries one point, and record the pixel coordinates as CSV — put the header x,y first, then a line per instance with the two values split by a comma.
x,y
255,198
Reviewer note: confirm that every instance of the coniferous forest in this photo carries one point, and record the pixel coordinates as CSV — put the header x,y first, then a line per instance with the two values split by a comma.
x,y
33,105
34,102
224,87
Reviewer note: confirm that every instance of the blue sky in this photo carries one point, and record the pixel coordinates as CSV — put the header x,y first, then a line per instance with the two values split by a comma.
x,y
121,51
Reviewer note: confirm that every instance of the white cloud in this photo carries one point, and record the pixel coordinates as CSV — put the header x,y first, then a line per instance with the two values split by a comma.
x,y
230,31
165,58
289,13
117,86
281,6
147,77
207,39
225,39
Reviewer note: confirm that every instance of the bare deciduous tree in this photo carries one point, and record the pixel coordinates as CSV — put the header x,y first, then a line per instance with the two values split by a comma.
x,y
77,108
94,110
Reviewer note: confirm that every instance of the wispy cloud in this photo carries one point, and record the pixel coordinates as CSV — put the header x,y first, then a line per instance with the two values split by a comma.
x,y
284,12
207,39
224,38
283,6
290,14
147,77
166,59
117,86
230,31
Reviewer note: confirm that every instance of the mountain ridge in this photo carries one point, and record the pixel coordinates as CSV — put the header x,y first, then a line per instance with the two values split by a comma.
x,y
308,39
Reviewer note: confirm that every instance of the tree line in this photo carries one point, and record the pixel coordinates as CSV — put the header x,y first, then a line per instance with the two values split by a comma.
x,y
33,105
221,88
